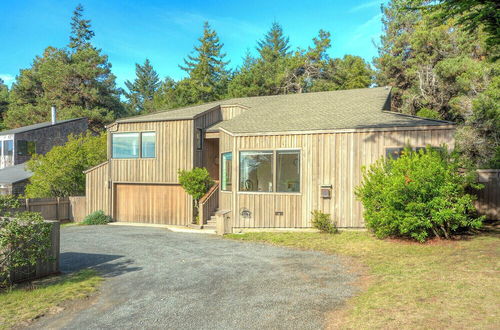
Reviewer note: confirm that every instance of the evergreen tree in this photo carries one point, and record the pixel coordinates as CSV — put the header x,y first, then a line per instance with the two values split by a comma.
x,y
142,90
207,71
81,32
274,45
444,69
79,82
4,100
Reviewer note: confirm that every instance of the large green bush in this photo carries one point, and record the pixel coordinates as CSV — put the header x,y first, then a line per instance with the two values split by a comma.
x,y
419,195
96,218
24,240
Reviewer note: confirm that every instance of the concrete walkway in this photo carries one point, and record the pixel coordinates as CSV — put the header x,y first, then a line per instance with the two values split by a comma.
x,y
158,279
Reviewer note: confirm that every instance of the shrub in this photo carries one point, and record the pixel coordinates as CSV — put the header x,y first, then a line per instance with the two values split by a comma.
x,y
24,240
323,222
428,113
196,183
419,195
97,218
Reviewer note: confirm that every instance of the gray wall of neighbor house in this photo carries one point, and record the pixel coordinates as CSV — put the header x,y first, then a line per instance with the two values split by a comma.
x,y
45,138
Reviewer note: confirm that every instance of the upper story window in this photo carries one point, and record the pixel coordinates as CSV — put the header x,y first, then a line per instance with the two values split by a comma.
x,y
8,148
148,144
133,145
256,171
288,171
25,148
227,171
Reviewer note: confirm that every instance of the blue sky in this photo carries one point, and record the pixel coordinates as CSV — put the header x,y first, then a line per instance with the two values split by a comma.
x,y
166,31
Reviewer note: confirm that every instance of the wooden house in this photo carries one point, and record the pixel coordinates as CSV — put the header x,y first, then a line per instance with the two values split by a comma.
x,y
275,158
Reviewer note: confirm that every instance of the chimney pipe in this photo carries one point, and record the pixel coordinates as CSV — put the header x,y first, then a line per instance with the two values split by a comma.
x,y
53,111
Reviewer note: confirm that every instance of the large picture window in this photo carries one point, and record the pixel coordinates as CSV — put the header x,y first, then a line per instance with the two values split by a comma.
x,y
288,171
226,171
125,145
148,141
256,171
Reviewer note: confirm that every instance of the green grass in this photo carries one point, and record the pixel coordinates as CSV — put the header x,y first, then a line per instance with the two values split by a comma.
x,y
441,284
25,303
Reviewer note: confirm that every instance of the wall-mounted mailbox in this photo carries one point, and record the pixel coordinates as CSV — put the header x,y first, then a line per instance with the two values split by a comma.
x,y
278,213
326,191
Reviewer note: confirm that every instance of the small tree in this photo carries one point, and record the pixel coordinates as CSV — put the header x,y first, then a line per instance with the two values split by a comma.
x,y
419,195
196,183
59,173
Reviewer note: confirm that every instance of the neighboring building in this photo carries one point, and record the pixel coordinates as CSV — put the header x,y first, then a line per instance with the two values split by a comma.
x,y
278,158
13,179
18,144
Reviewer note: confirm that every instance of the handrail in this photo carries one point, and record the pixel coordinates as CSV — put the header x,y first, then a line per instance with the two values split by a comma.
x,y
209,203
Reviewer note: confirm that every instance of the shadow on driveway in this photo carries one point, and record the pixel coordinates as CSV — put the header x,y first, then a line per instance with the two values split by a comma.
x,y
108,265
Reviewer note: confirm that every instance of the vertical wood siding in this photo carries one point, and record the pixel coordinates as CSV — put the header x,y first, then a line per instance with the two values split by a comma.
x,y
97,191
326,159
174,145
231,111
488,201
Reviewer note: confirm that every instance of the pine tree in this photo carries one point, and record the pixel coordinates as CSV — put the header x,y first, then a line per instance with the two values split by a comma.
x,y
207,71
274,45
78,81
143,89
4,100
81,32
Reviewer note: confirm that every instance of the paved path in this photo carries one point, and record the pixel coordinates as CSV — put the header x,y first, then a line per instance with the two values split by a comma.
x,y
156,278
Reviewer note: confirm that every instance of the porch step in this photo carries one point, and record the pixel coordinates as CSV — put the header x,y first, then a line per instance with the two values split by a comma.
x,y
209,226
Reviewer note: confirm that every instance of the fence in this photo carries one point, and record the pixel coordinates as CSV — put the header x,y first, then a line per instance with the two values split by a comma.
x,y
49,265
488,201
57,208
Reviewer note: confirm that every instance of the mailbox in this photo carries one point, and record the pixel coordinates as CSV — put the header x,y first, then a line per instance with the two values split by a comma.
x,y
326,191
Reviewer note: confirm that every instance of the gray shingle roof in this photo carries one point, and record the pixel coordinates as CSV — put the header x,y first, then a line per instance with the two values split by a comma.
x,y
13,174
354,108
36,126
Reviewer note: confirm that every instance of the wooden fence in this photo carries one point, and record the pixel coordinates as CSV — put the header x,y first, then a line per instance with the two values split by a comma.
x,y
63,209
488,202
48,266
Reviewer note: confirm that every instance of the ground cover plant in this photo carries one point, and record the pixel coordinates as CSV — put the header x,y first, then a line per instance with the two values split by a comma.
x,y
96,218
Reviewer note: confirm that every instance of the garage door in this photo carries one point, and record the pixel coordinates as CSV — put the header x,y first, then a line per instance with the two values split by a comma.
x,y
147,203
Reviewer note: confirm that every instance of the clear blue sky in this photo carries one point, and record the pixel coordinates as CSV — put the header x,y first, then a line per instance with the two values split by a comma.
x,y
166,31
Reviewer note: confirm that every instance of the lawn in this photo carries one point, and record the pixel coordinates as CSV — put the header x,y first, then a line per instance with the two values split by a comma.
x,y
25,303
441,284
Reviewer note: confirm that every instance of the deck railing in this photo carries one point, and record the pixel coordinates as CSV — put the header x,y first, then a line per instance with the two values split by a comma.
x,y
209,203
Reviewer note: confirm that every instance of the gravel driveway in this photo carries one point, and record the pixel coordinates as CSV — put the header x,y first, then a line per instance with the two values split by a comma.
x,y
156,278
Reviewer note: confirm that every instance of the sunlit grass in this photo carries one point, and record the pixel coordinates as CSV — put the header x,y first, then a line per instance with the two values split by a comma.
x,y
437,285
24,303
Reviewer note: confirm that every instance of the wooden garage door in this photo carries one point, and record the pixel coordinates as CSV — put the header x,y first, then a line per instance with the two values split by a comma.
x,y
159,204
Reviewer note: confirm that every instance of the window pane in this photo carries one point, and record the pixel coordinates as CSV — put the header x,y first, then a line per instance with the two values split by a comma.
x,y
393,153
256,171
31,147
227,172
8,146
148,144
125,145
288,171
22,147
199,138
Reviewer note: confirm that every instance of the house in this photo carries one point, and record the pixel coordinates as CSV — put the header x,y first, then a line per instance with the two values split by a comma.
x,y
19,144
275,158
